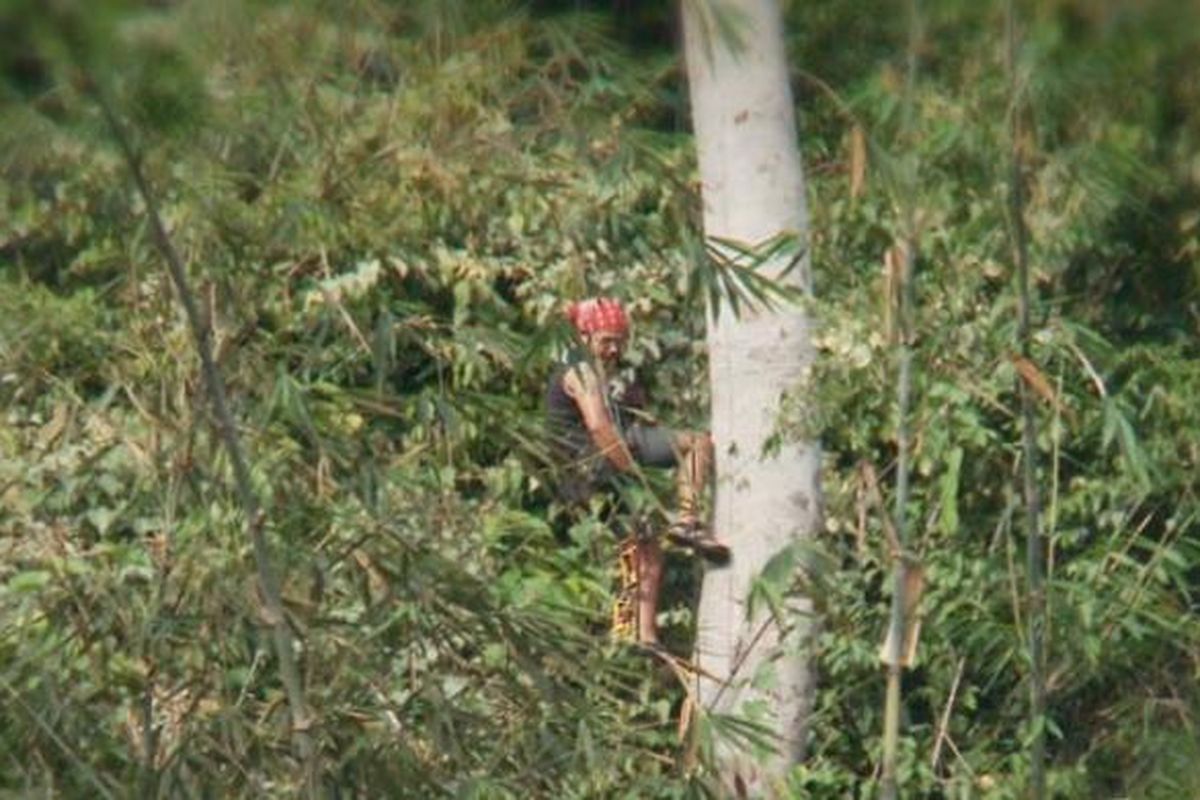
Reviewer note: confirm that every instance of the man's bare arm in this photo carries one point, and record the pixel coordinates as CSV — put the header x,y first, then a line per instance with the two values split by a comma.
x,y
583,386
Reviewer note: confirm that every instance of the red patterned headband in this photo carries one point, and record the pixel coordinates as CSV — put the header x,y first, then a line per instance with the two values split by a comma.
x,y
598,314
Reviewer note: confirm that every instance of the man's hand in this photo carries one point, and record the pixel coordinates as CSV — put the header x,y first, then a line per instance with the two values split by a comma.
x,y
584,387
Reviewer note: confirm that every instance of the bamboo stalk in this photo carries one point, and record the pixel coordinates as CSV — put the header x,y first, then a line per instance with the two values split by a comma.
x,y
898,623
227,430
1035,600
891,727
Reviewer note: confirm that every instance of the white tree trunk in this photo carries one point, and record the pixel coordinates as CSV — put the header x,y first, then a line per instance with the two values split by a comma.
x,y
752,186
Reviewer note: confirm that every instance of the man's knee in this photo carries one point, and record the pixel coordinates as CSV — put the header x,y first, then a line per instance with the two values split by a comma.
x,y
694,442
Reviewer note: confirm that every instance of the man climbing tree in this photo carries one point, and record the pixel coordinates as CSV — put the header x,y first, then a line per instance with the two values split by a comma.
x,y
601,436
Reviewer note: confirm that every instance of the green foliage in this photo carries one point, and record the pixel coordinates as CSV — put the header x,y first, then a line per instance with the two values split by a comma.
x,y
382,208
1119,503
381,225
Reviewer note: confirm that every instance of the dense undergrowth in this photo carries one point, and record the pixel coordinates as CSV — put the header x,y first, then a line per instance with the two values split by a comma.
x,y
383,208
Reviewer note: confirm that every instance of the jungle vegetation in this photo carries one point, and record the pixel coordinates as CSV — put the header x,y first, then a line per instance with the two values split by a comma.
x,y
381,208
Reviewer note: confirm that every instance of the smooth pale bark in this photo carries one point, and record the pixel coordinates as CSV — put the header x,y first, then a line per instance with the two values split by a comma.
x,y
752,186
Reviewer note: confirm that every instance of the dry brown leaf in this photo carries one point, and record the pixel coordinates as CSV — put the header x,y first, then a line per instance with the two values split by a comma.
x,y
49,435
1034,377
1037,381
377,585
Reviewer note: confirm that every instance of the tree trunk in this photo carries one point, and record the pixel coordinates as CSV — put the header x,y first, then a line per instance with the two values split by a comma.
x,y
767,497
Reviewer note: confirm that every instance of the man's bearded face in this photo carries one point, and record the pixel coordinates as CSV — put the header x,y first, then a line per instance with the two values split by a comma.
x,y
607,347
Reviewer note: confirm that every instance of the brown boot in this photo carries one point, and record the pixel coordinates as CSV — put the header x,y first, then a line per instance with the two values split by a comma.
x,y
690,533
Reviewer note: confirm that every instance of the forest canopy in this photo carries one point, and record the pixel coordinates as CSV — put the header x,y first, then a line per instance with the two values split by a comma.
x,y
382,209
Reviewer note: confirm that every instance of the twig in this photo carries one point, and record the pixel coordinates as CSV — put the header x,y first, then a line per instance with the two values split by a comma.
x,y
738,663
958,754
871,479
944,723
1097,381
227,430
1144,573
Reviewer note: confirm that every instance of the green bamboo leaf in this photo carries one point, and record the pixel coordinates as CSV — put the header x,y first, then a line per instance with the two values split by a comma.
x,y
28,581
949,492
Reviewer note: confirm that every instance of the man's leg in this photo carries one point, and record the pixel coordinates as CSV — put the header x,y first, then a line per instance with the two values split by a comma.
x,y
692,474
694,462
635,615
649,581
691,454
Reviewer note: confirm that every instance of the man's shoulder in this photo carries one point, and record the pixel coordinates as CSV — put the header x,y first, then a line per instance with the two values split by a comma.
x,y
581,379
568,375
573,361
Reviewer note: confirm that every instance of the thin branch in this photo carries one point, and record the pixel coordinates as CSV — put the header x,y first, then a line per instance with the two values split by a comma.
x,y
227,430
958,754
1034,541
1097,381
944,722
871,479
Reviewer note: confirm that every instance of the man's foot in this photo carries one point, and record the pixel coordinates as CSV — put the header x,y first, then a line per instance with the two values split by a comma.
x,y
694,536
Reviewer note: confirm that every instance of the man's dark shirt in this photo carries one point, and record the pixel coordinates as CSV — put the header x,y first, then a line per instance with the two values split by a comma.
x,y
582,467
